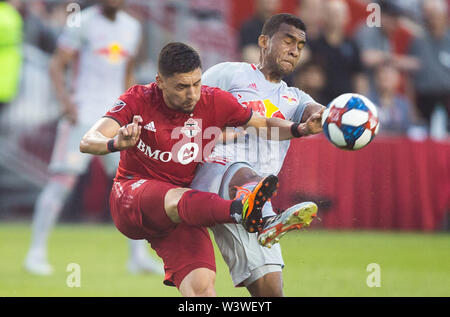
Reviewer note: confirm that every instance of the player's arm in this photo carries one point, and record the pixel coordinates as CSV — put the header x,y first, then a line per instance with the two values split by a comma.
x,y
107,136
230,135
58,65
130,80
229,108
287,129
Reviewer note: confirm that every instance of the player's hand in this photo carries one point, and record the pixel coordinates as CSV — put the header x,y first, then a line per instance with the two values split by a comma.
x,y
70,112
313,124
129,134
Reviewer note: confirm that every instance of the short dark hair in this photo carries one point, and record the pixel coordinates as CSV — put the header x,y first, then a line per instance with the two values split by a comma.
x,y
272,24
176,58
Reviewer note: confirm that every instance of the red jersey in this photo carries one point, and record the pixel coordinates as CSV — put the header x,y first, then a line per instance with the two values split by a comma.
x,y
173,143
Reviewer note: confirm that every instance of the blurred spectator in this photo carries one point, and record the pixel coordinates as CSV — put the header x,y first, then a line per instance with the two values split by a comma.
x,y
103,49
432,81
412,8
338,53
44,22
10,51
311,13
251,29
394,110
310,77
375,43
37,29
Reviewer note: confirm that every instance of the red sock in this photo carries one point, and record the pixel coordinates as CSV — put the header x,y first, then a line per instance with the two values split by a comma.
x,y
204,209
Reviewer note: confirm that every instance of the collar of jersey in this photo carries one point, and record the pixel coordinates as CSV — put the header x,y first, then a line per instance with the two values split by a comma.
x,y
263,79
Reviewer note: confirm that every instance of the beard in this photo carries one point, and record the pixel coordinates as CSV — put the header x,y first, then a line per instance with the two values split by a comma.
x,y
285,68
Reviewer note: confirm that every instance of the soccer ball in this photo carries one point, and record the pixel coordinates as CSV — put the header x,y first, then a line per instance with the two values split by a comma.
x,y
350,121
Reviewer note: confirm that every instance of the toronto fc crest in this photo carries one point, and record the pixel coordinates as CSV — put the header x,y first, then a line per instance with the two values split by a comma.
x,y
190,128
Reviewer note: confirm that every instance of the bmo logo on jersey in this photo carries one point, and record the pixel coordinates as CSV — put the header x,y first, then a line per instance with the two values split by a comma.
x,y
191,147
184,155
156,154
187,153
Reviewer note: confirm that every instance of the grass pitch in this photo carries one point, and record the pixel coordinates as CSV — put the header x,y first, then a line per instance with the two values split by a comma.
x,y
318,263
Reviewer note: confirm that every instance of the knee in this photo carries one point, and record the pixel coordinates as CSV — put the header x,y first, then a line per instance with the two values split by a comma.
x,y
198,283
203,288
276,291
57,190
270,285
171,201
63,181
204,291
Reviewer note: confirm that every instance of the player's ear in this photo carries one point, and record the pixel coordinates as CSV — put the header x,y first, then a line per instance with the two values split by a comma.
x,y
263,41
159,81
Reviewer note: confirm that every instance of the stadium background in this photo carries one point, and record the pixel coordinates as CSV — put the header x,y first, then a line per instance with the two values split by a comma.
x,y
388,203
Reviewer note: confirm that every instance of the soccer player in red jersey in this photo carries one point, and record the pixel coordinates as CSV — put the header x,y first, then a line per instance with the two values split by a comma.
x,y
163,131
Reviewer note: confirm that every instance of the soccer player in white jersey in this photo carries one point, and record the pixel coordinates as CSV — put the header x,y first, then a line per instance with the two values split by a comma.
x,y
241,163
101,51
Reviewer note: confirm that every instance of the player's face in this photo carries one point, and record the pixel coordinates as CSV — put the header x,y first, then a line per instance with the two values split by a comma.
x,y
182,91
284,48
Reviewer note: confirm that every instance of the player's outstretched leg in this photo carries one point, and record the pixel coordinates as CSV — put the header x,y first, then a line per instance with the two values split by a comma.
x,y
199,208
295,217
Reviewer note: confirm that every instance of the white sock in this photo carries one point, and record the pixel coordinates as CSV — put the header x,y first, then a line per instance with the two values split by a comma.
x,y
47,209
138,249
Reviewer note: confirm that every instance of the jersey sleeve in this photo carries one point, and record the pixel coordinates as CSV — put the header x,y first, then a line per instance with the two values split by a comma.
x,y
229,112
304,100
220,75
126,106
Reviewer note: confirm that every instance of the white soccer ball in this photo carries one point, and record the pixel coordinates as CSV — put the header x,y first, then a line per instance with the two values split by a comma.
x,y
350,121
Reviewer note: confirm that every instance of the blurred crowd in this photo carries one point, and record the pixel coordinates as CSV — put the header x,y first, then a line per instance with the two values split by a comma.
x,y
402,62
396,52
400,58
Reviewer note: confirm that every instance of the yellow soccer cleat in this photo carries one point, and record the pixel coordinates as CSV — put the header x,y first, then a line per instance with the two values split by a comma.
x,y
294,218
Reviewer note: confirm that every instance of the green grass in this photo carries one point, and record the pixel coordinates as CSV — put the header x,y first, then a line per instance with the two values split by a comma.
x,y
318,263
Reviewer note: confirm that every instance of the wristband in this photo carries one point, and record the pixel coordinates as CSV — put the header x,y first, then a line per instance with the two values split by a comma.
x,y
294,130
111,147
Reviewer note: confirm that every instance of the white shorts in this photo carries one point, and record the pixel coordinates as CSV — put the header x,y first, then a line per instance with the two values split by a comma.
x,y
66,156
247,260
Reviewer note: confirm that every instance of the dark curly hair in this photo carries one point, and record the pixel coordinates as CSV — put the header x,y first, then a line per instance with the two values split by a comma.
x,y
272,25
177,58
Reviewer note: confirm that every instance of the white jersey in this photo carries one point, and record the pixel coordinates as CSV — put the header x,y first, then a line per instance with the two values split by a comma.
x,y
104,48
248,84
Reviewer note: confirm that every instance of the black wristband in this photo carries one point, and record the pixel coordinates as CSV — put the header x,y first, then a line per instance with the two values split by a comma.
x,y
294,130
111,147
